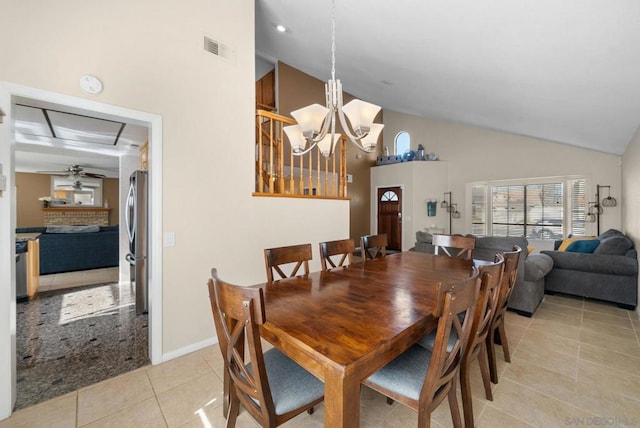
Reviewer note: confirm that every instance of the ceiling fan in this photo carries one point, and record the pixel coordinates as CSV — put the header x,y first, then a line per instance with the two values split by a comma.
x,y
74,172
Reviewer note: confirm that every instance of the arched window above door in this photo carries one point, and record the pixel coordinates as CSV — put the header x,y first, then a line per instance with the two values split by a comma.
x,y
389,196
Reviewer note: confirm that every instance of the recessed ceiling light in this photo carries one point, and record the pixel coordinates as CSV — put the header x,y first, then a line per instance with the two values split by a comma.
x,y
281,28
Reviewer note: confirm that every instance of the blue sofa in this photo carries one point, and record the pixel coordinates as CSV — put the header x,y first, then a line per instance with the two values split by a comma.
x,y
67,252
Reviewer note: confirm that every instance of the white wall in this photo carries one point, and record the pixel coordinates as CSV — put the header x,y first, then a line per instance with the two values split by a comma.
x,y
476,154
150,57
630,199
420,181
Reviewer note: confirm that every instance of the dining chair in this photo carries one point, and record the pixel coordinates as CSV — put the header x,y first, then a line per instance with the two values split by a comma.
x,y
476,348
373,246
454,245
421,378
271,386
511,263
276,257
342,247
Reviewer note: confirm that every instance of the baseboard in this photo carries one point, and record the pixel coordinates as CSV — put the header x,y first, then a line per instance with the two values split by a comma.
x,y
189,349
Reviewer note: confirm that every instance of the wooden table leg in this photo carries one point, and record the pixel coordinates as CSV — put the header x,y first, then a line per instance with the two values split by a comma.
x,y
341,400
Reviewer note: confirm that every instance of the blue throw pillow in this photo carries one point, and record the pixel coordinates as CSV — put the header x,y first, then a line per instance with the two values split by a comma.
x,y
583,246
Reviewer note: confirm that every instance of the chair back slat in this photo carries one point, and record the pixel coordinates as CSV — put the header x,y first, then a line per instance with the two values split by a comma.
x,y
343,248
373,246
274,258
454,245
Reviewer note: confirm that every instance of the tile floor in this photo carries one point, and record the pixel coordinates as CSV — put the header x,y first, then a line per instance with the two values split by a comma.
x,y
57,281
575,363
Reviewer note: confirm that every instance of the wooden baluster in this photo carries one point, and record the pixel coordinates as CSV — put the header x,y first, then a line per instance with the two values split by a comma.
x,y
259,165
280,171
318,192
301,186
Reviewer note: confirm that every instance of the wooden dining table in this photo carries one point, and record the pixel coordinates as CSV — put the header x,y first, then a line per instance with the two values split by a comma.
x,y
344,324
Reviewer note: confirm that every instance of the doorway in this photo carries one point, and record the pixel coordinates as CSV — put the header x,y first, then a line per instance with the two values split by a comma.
x,y
9,94
390,215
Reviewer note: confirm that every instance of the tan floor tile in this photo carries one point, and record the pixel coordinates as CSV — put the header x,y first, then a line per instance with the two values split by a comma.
x,y
549,358
627,346
599,376
546,341
571,320
494,418
565,300
560,308
146,413
58,412
202,420
213,357
605,308
605,402
513,318
614,360
514,335
96,276
552,327
540,379
442,414
609,330
607,319
112,395
177,371
202,394
533,407
373,407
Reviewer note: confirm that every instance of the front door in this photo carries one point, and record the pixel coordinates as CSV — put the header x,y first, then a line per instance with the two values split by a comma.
x,y
390,216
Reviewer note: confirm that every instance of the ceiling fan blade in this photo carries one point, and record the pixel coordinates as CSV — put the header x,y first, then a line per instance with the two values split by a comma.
x,y
62,173
92,175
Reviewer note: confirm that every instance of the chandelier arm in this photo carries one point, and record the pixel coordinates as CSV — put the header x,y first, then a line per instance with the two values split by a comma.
x,y
329,118
307,150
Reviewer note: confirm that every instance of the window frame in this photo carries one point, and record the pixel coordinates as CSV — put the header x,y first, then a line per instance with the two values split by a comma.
x,y
572,217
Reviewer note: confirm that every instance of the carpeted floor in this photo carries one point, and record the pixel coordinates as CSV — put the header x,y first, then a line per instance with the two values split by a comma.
x,y
70,338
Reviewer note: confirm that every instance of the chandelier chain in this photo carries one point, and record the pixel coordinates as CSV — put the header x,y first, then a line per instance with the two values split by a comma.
x,y
333,40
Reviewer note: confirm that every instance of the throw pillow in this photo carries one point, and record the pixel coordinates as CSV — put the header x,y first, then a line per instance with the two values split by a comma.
x,y
568,241
583,246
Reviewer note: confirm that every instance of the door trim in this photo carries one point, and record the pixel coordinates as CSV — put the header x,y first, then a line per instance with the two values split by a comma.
x,y
374,220
154,122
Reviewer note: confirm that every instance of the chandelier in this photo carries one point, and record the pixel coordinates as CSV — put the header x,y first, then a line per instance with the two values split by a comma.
x,y
317,124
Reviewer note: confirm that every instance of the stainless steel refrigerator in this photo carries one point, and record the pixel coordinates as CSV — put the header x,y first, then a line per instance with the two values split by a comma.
x,y
137,228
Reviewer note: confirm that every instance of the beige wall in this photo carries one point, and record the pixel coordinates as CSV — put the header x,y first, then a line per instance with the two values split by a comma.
x,y
476,154
630,199
30,187
150,58
110,192
297,90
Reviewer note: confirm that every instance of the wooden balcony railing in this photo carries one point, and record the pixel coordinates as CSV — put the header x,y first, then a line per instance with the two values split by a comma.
x,y
280,173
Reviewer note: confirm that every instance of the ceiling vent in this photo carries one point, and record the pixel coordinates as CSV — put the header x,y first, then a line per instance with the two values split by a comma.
x,y
219,49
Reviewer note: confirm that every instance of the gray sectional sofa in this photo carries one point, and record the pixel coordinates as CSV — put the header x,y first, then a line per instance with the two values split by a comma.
x,y
532,269
609,273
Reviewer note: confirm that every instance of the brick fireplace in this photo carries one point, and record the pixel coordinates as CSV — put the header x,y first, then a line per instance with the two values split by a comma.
x,y
76,216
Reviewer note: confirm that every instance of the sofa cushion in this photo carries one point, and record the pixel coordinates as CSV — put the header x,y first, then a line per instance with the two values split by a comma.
x,y
615,245
537,266
583,246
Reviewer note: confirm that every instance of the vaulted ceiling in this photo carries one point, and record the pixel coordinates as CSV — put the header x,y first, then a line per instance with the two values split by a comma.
x,y
565,71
